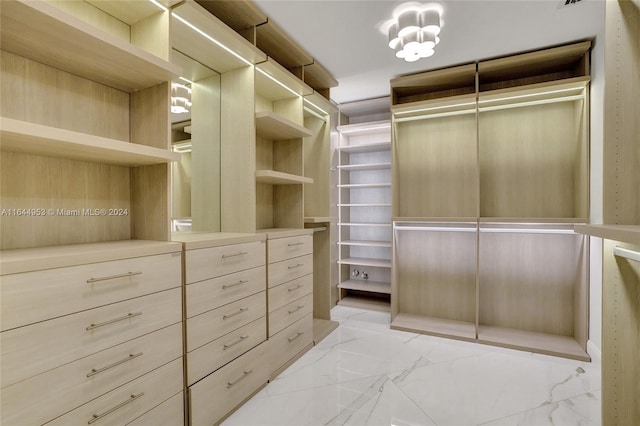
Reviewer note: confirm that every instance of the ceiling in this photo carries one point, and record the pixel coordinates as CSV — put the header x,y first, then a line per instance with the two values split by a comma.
x,y
345,36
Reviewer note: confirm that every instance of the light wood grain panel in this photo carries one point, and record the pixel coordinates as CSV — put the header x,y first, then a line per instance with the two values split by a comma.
x,y
273,39
75,384
528,162
264,206
153,388
150,116
317,165
288,206
212,262
288,157
290,108
31,350
436,274
170,412
288,343
152,34
238,151
238,14
290,269
285,293
288,314
324,270
150,202
435,172
285,248
95,16
522,275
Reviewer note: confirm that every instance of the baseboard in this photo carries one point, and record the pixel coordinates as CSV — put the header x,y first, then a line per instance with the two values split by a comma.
x,y
594,352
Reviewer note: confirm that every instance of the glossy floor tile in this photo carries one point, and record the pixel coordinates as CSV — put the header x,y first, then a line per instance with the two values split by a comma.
x,y
367,374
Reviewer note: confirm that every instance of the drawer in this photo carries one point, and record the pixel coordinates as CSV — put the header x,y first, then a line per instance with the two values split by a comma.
x,y
71,385
169,413
288,314
213,355
288,292
37,296
209,294
34,349
202,264
211,325
218,394
285,248
130,401
290,269
289,342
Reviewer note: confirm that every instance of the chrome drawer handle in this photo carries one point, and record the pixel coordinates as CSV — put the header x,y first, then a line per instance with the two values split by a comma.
x,y
296,266
95,371
240,253
295,244
113,277
132,398
296,309
235,313
126,317
226,286
239,340
295,287
235,382
291,339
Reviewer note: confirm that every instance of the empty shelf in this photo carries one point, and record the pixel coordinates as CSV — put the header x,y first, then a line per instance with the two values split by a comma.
x,y
382,146
369,303
365,185
280,178
366,224
366,285
372,166
434,326
380,263
270,125
365,243
623,233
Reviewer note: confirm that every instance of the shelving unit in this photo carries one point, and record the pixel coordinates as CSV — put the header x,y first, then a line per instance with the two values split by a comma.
x,y
364,191
490,172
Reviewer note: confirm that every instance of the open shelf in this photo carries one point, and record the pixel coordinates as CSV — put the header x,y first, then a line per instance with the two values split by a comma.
x,y
280,178
549,344
623,233
434,326
366,285
367,224
380,263
274,82
358,167
363,302
373,147
274,126
46,34
36,139
370,128
131,12
365,243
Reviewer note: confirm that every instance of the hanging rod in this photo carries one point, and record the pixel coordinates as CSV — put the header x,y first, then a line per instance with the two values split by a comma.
x,y
626,253
433,228
528,231
319,229
315,114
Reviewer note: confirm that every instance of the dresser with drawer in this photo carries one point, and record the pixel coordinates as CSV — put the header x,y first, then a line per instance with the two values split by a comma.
x,y
290,296
92,334
225,321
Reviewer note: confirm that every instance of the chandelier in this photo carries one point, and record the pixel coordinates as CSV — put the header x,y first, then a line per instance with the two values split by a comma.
x,y
414,33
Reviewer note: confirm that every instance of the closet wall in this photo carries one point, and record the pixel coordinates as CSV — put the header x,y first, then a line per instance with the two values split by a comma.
x,y
490,169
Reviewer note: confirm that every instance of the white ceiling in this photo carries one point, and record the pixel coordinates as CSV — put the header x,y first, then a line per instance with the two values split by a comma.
x,y
344,36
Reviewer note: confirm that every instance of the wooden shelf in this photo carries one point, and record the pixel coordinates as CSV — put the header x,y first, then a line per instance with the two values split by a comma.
x,y
279,178
549,344
380,263
366,285
43,33
365,243
17,261
271,125
197,240
36,139
369,128
366,224
238,14
272,233
371,304
357,167
434,326
318,77
365,185
131,12
276,83
273,39
623,233
319,219
435,108
382,146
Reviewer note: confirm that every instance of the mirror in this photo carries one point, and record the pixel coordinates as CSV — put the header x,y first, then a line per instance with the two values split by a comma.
x,y
195,134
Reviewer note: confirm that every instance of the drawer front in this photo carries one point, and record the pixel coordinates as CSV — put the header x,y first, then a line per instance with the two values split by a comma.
x,y
211,325
288,292
202,264
219,393
128,402
71,385
288,314
37,296
290,341
169,413
290,269
214,355
31,350
285,248
210,294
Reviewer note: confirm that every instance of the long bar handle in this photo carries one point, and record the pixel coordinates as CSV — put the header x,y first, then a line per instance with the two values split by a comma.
x,y
240,253
296,309
95,371
132,398
122,318
226,286
235,382
295,287
232,344
299,243
298,334
296,266
113,277
626,253
224,317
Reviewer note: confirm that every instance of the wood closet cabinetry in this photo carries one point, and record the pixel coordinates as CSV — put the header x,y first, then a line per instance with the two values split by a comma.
x,y
90,284
490,172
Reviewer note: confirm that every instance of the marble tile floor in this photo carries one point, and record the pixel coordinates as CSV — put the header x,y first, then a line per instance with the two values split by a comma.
x,y
367,374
